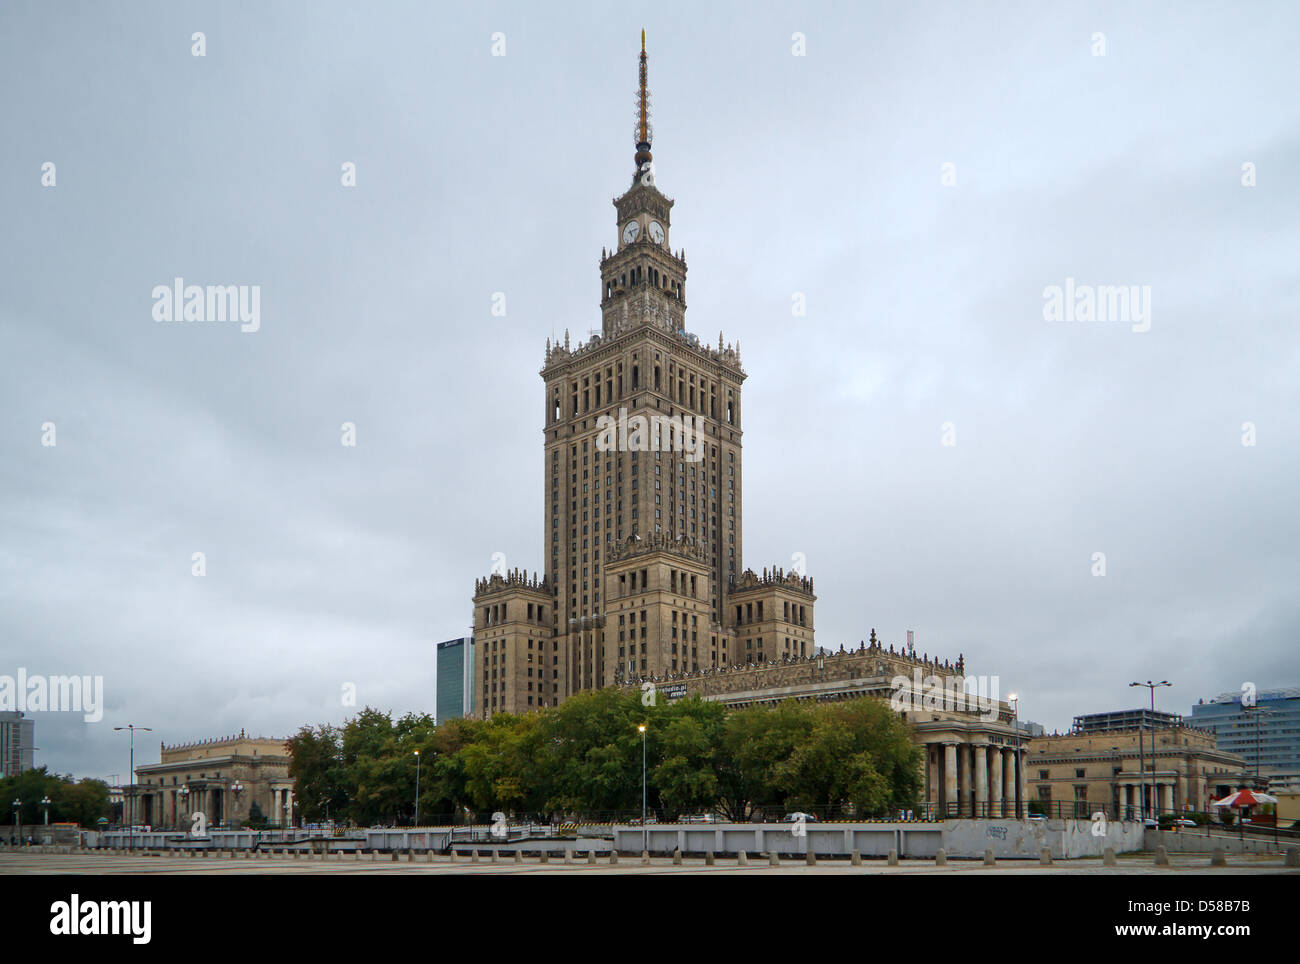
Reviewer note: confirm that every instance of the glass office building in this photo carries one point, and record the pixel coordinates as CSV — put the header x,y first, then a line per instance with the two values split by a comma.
x,y
455,679
1266,734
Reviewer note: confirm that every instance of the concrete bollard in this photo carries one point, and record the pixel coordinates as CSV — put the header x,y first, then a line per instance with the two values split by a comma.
x,y
591,856
496,858
708,858
893,858
410,856
1292,858
810,858
428,856
519,856
1162,857
568,855
645,858
855,858
473,856
374,855
742,859
357,853
1219,858
772,859
989,859
396,857
1045,857
1108,858
613,857
545,857
677,857
940,857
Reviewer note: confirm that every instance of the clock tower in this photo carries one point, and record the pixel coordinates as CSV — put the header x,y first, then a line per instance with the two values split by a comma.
x,y
643,279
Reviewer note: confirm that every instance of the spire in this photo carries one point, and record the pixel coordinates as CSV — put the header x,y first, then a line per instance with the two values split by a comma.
x,y
644,132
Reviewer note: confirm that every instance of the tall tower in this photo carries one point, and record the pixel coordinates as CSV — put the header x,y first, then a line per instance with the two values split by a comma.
x,y
643,543
643,362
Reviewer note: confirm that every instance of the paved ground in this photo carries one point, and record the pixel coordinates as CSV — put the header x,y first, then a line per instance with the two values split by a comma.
x,y
108,863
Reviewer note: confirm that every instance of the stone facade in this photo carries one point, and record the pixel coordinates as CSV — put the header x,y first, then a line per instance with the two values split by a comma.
x,y
220,778
1081,773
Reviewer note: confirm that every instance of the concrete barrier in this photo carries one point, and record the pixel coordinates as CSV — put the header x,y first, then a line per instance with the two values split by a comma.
x,y
1162,857
941,858
1219,858
989,859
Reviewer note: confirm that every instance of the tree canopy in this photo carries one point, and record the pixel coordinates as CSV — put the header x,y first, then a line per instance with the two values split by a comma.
x,y
584,758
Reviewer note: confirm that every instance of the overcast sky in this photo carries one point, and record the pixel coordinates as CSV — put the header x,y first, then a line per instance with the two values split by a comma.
x,y
822,174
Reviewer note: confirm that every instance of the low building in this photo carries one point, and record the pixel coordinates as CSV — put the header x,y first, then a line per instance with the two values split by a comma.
x,y
1078,774
220,778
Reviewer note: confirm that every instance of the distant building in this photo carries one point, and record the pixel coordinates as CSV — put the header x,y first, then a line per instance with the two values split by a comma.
x,y
220,778
17,743
455,682
1266,735
1124,720
1175,767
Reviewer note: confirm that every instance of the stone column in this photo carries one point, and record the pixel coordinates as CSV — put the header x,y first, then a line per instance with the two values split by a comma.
x,y
932,774
995,782
1167,796
981,780
1008,781
949,776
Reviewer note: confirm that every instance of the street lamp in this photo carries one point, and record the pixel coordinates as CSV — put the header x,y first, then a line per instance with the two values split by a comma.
x,y
1014,700
126,807
417,788
45,802
1142,776
184,815
18,816
236,788
645,844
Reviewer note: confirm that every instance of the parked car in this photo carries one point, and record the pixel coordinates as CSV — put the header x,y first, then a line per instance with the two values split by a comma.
x,y
1151,823
701,818
1036,816
796,817
1184,822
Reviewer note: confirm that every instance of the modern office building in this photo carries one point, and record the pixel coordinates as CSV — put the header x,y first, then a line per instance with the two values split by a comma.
x,y
17,743
455,679
1266,734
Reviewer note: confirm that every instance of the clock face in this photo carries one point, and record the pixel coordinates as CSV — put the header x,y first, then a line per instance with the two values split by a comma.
x,y
631,232
656,232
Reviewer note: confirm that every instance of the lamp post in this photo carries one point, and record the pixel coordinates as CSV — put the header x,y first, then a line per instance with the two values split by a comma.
x,y
236,788
45,802
1014,700
183,816
645,839
1142,776
126,806
18,816
417,788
